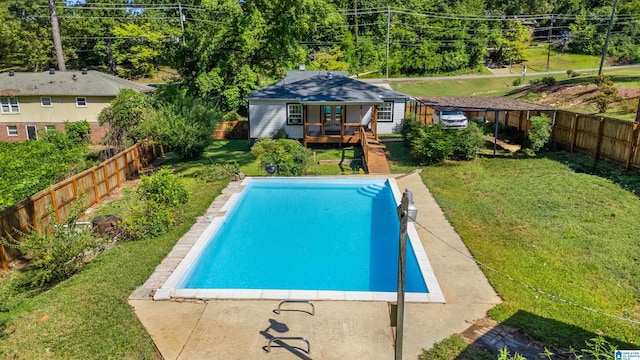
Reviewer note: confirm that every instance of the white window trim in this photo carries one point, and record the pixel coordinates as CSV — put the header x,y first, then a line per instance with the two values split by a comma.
x,y
42,102
85,101
26,131
301,119
10,106
9,132
46,128
390,112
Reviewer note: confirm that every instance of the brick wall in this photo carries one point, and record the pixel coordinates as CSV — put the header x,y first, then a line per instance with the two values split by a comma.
x,y
97,131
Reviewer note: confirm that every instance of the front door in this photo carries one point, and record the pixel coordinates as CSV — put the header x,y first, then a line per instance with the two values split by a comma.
x,y
32,132
333,116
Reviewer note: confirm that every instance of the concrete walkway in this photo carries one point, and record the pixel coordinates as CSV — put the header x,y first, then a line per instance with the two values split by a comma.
x,y
241,329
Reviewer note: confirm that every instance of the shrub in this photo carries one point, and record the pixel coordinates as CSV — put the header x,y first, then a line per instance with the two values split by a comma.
x,y
570,73
57,252
214,172
431,144
290,156
78,131
409,128
162,197
279,134
516,82
467,142
539,132
231,116
548,80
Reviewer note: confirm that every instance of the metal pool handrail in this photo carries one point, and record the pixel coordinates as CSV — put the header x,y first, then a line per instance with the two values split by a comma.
x,y
289,338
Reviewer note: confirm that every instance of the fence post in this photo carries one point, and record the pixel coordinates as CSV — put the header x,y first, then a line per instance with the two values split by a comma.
x,y
599,143
115,161
96,194
3,258
574,132
136,157
633,145
54,202
106,178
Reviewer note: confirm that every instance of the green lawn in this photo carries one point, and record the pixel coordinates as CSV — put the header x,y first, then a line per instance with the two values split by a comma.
x,y
536,60
570,235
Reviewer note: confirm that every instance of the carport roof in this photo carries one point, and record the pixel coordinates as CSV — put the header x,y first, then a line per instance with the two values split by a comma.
x,y
470,103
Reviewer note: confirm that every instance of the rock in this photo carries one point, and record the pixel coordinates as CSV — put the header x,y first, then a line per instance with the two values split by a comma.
x,y
107,225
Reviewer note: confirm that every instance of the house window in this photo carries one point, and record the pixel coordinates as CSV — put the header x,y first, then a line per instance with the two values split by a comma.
x,y
50,129
46,102
81,102
12,130
10,105
385,111
294,114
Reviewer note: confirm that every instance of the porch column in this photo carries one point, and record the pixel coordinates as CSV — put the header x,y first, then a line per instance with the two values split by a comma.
x,y
304,125
375,121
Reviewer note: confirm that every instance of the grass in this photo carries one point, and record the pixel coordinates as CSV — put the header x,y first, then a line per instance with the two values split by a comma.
x,y
536,56
568,234
87,316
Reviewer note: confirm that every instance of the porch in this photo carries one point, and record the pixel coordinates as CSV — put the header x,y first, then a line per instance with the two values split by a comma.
x,y
336,123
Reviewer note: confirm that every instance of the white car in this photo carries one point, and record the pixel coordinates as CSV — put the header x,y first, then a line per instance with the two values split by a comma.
x,y
451,119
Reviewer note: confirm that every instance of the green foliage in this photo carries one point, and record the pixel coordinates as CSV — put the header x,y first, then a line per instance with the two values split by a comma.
x,y
78,131
539,132
548,80
516,82
185,126
431,144
57,252
570,73
454,347
280,133
231,116
607,92
30,166
214,172
467,142
162,197
409,128
599,348
123,115
505,355
290,156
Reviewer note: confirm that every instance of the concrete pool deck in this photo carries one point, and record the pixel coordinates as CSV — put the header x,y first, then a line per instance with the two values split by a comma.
x,y
241,329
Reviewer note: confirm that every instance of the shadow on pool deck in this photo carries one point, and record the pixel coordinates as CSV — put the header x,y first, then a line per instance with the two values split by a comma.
x,y
240,329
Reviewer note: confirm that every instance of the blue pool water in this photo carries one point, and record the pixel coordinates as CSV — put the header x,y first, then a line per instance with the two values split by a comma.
x,y
307,234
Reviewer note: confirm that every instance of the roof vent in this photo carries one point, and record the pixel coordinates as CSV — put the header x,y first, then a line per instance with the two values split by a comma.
x,y
84,71
52,71
330,75
301,67
12,72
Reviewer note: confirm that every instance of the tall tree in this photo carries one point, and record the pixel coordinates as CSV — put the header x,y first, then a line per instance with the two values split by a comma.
x,y
55,33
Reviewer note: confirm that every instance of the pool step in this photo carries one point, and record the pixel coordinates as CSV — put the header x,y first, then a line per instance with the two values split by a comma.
x,y
373,190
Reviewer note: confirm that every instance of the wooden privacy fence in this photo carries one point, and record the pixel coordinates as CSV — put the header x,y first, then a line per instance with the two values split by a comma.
x,y
79,191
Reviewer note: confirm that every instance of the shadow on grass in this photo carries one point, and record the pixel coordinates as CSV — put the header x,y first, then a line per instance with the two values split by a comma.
x,y
529,334
219,152
580,163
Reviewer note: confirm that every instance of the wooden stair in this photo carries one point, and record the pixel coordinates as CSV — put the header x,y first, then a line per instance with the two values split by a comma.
x,y
375,158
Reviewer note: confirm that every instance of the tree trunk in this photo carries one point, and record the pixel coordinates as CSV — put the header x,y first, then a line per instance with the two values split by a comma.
x,y
55,30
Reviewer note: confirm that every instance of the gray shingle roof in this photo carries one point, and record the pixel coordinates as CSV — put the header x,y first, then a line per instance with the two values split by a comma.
x,y
67,83
324,87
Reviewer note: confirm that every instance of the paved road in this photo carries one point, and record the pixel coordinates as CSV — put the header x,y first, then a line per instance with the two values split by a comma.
x,y
382,80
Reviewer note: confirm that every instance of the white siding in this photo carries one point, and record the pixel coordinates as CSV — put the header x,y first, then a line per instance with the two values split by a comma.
x,y
398,116
353,114
265,117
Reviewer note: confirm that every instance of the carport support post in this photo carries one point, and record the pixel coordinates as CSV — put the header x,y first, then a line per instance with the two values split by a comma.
x,y
495,134
404,217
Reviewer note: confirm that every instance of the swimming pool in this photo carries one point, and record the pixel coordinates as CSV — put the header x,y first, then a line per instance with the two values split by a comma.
x,y
311,238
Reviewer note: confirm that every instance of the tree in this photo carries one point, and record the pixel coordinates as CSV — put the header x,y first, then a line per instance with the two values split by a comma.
x,y
123,115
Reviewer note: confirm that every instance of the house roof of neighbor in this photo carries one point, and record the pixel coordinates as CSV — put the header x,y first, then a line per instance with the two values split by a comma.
x,y
65,83
324,87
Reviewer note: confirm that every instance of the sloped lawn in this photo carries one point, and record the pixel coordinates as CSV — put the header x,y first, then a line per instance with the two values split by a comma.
x,y
552,241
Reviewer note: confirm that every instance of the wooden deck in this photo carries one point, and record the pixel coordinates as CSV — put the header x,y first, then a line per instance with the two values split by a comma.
x,y
374,154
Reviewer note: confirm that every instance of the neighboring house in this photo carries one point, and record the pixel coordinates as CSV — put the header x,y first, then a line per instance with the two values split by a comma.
x,y
33,103
323,107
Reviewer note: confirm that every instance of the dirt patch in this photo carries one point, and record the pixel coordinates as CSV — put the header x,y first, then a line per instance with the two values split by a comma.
x,y
575,96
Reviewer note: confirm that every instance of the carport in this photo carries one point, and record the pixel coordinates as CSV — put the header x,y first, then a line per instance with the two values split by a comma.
x,y
498,110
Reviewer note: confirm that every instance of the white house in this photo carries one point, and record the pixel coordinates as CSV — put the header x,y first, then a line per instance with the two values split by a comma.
x,y
324,107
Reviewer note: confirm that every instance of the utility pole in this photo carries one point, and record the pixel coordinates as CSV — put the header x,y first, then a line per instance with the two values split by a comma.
x,y
355,9
388,25
553,19
606,40
181,22
55,31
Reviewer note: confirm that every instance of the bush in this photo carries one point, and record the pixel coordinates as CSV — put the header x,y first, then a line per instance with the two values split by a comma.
x,y
162,197
214,172
78,131
279,134
516,82
290,156
57,252
231,116
409,128
548,80
570,73
431,144
539,132
467,142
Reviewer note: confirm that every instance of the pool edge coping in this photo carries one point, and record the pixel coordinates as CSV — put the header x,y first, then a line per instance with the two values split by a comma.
x,y
168,290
